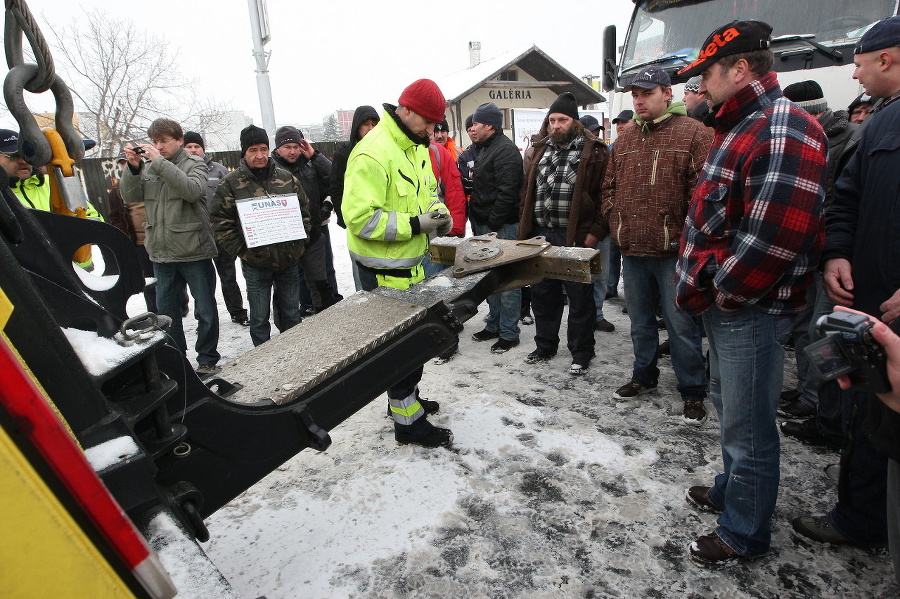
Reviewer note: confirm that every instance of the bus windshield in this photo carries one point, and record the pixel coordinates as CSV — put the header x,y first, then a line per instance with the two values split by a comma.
x,y
669,32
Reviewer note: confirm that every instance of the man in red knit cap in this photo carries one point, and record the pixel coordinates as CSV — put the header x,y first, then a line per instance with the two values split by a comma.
x,y
390,207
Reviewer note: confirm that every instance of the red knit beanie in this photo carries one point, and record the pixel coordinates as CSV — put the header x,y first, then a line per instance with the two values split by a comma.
x,y
425,99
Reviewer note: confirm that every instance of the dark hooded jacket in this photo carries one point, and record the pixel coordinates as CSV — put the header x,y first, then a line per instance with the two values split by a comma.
x,y
339,161
496,183
314,175
584,217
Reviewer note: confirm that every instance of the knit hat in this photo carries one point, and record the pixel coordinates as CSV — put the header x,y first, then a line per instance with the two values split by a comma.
x,y
883,34
424,97
693,84
807,95
252,135
192,137
736,37
469,121
565,104
442,126
287,135
488,114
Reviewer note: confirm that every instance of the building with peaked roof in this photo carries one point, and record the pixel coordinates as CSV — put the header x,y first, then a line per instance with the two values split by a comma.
x,y
524,78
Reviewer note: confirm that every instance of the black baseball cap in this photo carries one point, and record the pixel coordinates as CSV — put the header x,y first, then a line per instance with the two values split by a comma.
x,y
883,34
736,37
9,141
649,78
624,117
591,123
442,126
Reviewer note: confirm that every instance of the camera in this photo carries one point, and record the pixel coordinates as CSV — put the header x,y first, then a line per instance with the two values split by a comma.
x,y
848,348
136,147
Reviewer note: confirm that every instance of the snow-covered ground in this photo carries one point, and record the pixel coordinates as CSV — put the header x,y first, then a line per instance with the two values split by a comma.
x,y
553,489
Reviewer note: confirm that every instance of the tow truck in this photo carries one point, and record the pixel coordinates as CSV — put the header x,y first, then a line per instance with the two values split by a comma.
x,y
113,451
812,40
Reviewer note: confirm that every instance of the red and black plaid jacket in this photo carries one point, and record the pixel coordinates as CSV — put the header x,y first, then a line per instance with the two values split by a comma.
x,y
755,229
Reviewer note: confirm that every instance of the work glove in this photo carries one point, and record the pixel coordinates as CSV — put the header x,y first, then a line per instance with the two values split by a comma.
x,y
326,209
432,223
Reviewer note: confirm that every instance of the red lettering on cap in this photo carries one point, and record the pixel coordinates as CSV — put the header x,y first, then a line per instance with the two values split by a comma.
x,y
730,34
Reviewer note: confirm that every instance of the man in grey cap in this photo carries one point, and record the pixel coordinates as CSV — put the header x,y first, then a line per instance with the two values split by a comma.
x,y
695,100
646,194
494,208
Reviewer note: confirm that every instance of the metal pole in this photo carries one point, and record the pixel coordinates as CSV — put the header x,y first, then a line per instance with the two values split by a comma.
x,y
263,88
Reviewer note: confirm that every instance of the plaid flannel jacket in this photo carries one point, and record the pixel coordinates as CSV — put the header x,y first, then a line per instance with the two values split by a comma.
x,y
755,229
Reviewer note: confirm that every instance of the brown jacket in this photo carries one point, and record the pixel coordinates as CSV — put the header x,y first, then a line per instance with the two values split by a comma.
x,y
648,186
585,215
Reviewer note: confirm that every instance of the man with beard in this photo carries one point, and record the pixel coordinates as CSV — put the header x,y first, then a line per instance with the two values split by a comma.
x,y
562,203
390,210
646,194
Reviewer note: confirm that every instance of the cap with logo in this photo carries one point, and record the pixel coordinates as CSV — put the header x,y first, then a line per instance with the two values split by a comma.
x,y
650,77
442,126
736,37
9,141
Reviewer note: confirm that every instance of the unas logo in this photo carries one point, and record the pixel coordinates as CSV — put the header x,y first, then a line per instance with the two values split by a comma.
x,y
273,203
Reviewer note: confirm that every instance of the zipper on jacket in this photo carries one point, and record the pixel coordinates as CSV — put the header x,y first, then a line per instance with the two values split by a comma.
x,y
666,232
653,170
619,229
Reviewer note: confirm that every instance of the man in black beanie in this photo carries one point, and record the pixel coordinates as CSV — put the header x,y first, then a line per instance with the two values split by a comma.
x,y
234,303
296,155
561,202
266,267
494,208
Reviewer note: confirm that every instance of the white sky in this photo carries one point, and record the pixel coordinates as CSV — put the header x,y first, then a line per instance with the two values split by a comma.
x,y
344,53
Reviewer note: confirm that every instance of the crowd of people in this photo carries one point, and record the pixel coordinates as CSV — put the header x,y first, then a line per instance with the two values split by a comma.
x,y
739,215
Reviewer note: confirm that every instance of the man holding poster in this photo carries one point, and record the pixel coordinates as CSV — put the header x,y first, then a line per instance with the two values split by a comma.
x,y
260,214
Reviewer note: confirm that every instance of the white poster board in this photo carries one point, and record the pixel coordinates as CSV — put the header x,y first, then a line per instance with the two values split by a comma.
x,y
271,219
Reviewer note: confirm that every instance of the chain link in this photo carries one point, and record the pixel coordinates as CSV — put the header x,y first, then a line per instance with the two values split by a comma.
x,y
35,78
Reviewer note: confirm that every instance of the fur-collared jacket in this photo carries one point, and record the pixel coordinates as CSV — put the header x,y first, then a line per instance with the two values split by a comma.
x,y
584,216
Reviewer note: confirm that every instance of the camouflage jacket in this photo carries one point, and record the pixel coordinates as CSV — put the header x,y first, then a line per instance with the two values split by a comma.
x,y
242,184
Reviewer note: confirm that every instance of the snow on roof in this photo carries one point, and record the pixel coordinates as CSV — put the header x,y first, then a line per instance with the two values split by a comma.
x,y
458,84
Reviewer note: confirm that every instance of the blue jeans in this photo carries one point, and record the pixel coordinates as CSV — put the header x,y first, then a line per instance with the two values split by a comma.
x,y
601,285
650,282
201,279
504,308
260,282
746,362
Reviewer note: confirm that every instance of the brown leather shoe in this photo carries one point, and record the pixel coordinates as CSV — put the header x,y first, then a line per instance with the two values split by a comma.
x,y
711,551
698,496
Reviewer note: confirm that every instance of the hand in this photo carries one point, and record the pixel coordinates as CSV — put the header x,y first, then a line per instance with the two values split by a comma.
x,y
430,222
326,209
838,281
591,241
134,159
306,149
891,308
891,344
150,152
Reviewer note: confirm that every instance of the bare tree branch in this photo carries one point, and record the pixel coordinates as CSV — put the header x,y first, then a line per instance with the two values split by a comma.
x,y
123,81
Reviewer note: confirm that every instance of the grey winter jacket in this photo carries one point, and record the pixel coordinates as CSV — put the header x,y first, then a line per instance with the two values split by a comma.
x,y
173,191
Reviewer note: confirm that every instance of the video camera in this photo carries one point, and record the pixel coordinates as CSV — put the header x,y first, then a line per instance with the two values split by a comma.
x,y
848,348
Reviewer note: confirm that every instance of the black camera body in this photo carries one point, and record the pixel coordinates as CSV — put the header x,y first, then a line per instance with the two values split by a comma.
x,y
848,348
